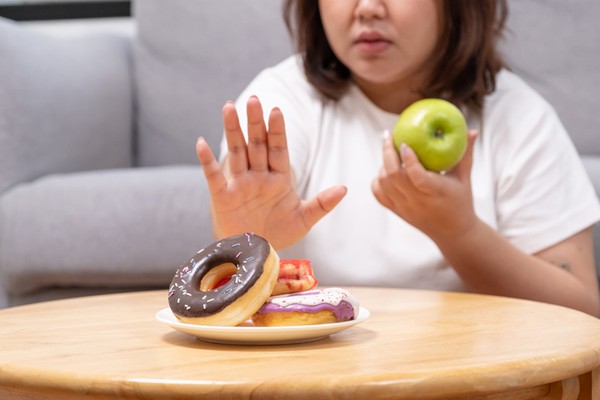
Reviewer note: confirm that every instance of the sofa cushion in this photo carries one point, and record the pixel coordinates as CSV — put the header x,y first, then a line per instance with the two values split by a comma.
x,y
189,60
65,103
554,46
114,228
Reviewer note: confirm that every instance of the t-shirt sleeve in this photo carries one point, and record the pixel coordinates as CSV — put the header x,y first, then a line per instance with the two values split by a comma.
x,y
543,193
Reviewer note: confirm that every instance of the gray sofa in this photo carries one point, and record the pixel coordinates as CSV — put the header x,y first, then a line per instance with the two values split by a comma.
x,y
99,185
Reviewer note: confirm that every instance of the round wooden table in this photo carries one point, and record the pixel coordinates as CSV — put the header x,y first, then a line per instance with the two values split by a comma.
x,y
414,345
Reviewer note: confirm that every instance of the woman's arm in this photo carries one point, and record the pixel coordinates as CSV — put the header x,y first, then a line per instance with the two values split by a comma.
x,y
441,207
562,274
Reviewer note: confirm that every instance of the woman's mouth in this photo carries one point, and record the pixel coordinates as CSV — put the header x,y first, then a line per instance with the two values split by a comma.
x,y
372,42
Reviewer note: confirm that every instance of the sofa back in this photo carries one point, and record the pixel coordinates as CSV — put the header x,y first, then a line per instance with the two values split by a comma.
x,y
190,58
65,103
553,44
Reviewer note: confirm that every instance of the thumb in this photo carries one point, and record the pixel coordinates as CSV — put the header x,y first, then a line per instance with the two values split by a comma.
x,y
320,205
463,169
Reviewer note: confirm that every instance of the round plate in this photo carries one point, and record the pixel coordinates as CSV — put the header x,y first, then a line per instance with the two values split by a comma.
x,y
258,335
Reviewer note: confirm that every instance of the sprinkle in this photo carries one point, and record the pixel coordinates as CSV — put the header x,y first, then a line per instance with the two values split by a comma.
x,y
219,244
249,259
238,254
204,297
244,268
188,294
228,290
187,307
204,306
209,300
235,245
178,300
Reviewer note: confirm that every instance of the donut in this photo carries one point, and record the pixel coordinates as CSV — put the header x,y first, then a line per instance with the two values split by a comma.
x,y
252,265
294,276
312,307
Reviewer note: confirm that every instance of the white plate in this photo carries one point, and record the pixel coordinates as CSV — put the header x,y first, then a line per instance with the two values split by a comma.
x,y
257,334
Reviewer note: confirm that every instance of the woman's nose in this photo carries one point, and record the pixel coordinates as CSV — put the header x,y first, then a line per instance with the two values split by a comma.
x,y
369,9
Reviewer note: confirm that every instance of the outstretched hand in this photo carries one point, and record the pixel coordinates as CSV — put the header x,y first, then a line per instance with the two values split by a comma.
x,y
438,205
254,190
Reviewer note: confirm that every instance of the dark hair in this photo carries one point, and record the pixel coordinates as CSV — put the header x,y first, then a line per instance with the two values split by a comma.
x,y
464,72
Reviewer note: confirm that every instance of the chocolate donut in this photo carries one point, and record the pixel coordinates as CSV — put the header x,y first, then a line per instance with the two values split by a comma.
x,y
253,265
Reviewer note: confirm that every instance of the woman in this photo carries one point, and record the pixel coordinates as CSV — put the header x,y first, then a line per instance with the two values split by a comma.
x,y
513,218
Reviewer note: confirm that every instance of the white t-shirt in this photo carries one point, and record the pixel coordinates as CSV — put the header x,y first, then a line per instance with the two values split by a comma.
x,y
528,181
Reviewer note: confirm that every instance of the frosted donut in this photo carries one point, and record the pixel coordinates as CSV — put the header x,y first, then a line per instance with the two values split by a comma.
x,y
294,276
307,308
253,267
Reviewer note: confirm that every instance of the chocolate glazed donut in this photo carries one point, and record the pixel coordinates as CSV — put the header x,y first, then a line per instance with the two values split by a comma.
x,y
255,267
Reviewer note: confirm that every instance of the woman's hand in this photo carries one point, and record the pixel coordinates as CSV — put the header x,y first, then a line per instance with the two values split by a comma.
x,y
254,190
438,205
441,206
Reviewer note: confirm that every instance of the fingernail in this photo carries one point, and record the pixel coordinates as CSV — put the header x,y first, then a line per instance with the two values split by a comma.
x,y
385,134
403,149
403,154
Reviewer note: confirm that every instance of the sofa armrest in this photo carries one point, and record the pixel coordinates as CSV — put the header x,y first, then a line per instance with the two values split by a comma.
x,y
119,228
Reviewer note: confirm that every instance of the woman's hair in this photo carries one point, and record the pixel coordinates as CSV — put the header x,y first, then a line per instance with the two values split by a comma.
x,y
464,71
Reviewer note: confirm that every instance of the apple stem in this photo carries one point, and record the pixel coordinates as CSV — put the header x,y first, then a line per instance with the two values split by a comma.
x,y
438,133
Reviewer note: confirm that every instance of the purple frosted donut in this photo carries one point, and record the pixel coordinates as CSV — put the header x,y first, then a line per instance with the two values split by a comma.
x,y
308,308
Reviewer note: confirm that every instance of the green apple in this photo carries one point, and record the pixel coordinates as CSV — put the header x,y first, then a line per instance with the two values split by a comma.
x,y
436,130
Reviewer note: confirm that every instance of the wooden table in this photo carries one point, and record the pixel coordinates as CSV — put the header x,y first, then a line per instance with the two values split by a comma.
x,y
415,345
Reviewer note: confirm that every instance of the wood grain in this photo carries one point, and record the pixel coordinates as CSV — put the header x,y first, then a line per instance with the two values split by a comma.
x,y
415,345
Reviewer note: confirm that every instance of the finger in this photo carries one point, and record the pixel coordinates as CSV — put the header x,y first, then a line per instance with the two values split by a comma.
x,y
236,144
322,204
212,169
279,159
391,159
463,168
420,178
396,182
381,194
395,186
257,136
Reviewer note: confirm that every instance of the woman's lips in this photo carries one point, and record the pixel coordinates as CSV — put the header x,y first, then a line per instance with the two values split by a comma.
x,y
372,42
